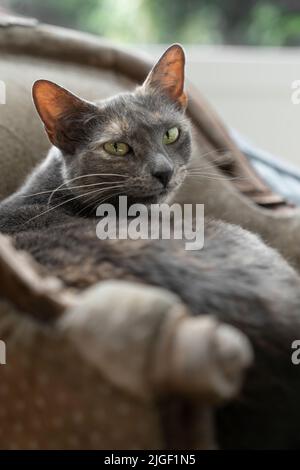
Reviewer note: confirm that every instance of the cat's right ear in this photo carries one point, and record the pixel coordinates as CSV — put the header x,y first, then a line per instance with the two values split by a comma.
x,y
60,110
167,75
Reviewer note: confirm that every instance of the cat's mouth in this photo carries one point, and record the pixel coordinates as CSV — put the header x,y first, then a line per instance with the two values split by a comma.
x,y
153,197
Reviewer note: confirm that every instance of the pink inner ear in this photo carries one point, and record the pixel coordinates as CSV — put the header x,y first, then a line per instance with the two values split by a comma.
x,y
51,100
168,74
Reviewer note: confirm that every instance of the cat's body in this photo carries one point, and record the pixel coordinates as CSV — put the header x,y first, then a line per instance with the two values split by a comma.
x,y
235,276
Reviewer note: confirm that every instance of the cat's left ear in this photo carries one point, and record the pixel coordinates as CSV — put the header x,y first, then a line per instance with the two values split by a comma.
x,y
62,113
167,75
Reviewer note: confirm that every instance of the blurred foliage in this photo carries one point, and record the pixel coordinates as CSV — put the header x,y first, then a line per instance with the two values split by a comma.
x,y
248,22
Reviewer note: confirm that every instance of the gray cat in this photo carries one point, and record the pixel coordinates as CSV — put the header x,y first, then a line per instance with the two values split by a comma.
x,y
139,144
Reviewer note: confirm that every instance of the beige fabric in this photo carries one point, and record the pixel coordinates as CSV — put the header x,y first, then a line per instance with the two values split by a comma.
x,y
53,399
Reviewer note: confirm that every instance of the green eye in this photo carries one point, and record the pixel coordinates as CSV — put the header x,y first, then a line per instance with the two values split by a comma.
x,y
116,148
171,136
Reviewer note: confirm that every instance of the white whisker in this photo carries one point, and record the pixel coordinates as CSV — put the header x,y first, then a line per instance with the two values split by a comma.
x,y
94,200
78,177
73,179
65,202
216,177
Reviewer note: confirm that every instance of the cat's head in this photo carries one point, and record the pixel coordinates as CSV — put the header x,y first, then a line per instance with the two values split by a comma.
x,y
134,144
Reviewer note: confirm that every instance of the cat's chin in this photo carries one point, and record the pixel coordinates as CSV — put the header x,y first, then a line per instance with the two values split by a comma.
x,y
147,200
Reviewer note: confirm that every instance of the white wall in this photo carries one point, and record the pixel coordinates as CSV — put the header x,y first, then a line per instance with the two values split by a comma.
x,y
251,90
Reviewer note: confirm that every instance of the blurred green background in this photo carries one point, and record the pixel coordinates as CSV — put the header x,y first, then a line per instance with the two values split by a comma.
x,y
236,22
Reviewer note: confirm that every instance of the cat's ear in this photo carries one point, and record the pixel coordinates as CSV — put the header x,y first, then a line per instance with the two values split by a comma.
x,y
167,75
61,112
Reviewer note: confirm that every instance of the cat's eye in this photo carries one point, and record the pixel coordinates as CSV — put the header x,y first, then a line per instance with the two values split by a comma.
x,y
171,136
116,148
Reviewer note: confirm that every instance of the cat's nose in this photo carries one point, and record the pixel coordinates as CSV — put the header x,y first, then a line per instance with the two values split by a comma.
x,y
163,171
163,176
